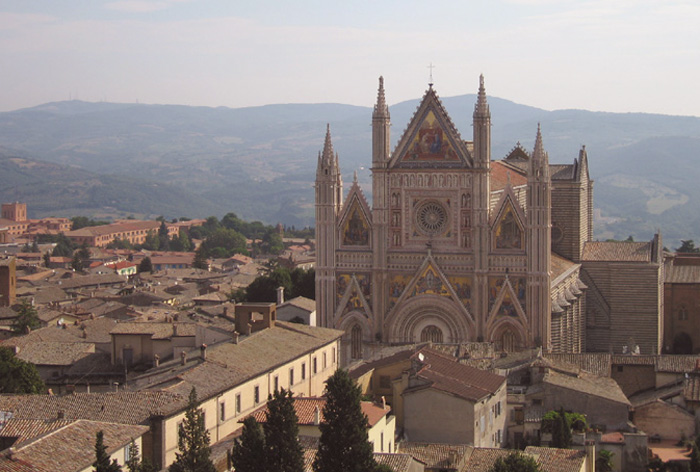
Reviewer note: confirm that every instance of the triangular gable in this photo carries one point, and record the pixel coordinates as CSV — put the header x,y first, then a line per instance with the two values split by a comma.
x,y
355,220
507,301
356,296
428,280
518,153
431,139
508,223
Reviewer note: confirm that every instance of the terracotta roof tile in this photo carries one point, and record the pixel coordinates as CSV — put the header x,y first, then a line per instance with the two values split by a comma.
x,y
557,460
617,251
682,274
446,374
73,447
595,363
433,455
483,458
301,302
500,173
116,407
156,330
397,462
603,387
55,353
25,430
305,408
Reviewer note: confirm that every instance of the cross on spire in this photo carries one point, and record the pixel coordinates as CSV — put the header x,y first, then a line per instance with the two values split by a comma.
x,y
431,67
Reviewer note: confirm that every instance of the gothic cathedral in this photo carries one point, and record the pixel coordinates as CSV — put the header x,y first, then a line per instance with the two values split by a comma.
x,y
454,247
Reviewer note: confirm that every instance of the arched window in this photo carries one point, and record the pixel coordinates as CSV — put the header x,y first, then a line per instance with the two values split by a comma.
x,y
682,313
431,334
356,342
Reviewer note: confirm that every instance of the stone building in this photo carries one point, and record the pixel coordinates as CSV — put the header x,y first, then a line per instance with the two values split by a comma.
x,y
456,247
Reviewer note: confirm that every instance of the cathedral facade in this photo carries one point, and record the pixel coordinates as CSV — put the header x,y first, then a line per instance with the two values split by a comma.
x,y
454,247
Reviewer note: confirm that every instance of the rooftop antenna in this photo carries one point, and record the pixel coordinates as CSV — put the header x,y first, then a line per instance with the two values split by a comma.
x,y
431,67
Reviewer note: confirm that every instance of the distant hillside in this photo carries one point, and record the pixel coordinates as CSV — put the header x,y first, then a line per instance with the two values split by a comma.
x,y
259,162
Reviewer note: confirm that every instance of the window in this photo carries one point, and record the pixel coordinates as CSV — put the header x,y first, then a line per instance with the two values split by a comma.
x,y
314,365
382,442
355,342
620,368
682,313
303,371
334,360
277,382
291,376
222,411
256,394
384,381
238,403
128,452
324,361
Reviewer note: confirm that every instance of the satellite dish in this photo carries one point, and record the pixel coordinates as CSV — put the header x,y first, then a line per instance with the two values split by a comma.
x,y
421,357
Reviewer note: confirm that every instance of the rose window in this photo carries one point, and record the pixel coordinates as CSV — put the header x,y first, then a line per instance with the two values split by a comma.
x,y
431,218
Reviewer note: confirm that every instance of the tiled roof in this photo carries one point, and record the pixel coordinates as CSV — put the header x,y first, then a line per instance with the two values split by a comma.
x,y
557,460
362,369
90,280
682,274
305,408
55,353
114,228
115,407
500,173
483,458
677,363
300,302
433,455
615,437
8,464
602,387
72,448
560,265
444,373
25,430
309,445
561,171
617,251
653,395
229,364
156,330
396,462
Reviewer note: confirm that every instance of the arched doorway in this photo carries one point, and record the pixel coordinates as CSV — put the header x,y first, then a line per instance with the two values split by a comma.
x,y
682,344
356,342
508,341
431,333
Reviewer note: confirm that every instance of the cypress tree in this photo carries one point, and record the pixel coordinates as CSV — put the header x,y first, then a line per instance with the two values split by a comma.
x,y
249,452
193,441
282,449
344,444
102,462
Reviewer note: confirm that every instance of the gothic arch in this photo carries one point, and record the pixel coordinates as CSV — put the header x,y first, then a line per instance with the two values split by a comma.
x,y
412,317
508,330
682,344
357,332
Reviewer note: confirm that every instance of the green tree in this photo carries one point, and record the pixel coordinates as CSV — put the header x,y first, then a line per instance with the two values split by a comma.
x,y
200,260
282,449
688,246
604,463
516,461
304,283
120,244
163,237
224,243
272,242
135,463
64,247
561,431
145,265
343,444
249,452
180,242
102,462
193,441
47,259
264,287
152,241
18,376
27,318
77,263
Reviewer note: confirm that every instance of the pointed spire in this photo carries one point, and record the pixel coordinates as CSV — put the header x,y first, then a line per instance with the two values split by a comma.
x,y
539,147
354,177
328,153
481,107
539,164
381,108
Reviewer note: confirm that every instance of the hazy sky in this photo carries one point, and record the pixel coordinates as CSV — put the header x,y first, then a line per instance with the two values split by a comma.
x,y
609,55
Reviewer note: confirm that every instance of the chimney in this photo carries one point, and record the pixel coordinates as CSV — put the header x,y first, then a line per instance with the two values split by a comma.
x,y
453,458
280,295
590,455
383,402
183,357
317,415
116,386
203,350
156,360
236,337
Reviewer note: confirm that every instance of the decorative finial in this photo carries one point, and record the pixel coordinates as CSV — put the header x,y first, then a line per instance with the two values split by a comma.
x,y
431,67
328,153
354,177
381,108
481,107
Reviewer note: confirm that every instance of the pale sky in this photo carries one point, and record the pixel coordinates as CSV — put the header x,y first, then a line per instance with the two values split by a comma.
x,y
603,55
